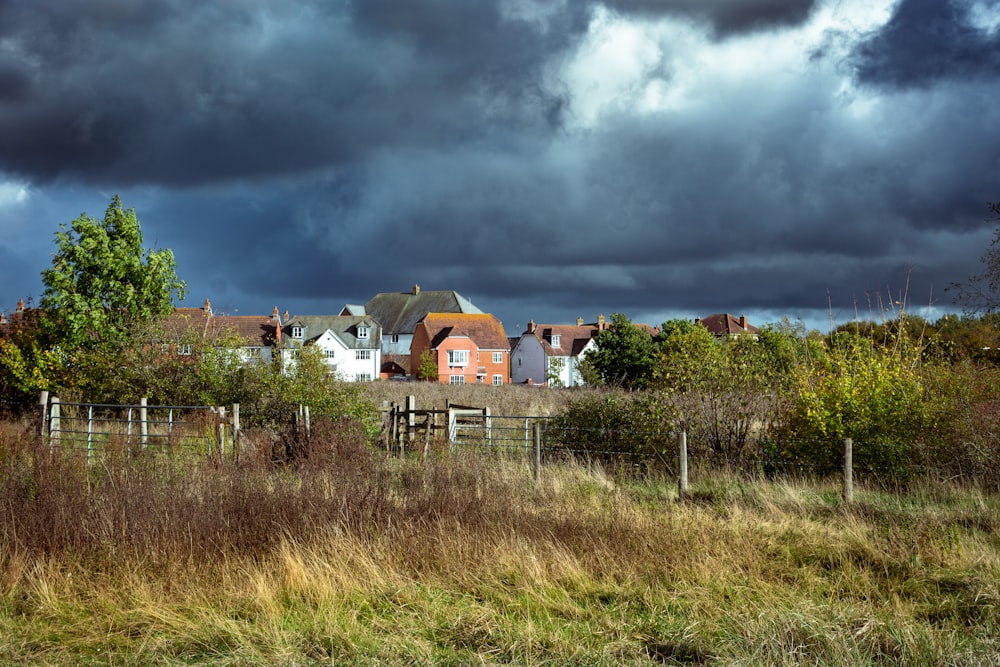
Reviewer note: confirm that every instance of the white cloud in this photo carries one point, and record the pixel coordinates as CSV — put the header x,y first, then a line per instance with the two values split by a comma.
x,y
13,194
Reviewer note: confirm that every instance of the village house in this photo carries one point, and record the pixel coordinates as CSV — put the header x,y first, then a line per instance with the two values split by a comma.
x,y
467,348
351,346
725,326
550,354
398,313
251,337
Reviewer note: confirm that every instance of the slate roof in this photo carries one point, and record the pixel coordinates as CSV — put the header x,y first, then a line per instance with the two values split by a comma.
x,y
483,329
400,312
344,327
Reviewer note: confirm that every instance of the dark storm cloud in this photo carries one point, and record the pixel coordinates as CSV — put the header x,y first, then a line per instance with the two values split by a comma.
x,y
309,154
727,17
927,41
189,94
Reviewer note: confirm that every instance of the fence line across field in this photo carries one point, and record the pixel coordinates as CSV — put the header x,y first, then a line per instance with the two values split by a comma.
x,y
536,438
89,426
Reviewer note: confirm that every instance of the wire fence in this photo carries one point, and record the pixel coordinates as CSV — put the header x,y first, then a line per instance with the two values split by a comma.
x,y
215,431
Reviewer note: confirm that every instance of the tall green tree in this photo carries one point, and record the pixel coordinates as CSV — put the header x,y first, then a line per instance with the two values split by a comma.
x,y
103,282
625,355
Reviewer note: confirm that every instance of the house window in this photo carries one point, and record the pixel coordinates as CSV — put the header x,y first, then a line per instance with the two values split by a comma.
x,y
498,357
497,379
395,338
297,332
362,377
164,348
458,357
362,332
363,355
185,349
331,354
456,379
555,340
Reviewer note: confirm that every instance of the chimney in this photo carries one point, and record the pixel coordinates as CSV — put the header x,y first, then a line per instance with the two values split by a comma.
x,y
579,321
743,321
416,289
207,307
600,322
20,306
531,326
275,316
285,317
3,317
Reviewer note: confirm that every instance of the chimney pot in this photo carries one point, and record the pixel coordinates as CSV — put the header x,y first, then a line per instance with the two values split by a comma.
x,y
274,313
531,326
416,289
600,322
20,306
579,321
285,317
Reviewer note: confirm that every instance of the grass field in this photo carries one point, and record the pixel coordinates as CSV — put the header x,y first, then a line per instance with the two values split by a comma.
x,y
353,558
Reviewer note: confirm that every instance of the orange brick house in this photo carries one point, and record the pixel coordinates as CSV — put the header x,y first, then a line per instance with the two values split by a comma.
x,y
467,347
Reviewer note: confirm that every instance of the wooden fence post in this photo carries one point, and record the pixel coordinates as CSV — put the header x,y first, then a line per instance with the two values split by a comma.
x,y
537,458
682,465
411,422
222,433
55,428
848,488
43,404
90,433
143,424
236,432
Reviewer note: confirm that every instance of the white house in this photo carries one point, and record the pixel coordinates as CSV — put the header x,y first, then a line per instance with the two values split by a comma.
x,y
350,345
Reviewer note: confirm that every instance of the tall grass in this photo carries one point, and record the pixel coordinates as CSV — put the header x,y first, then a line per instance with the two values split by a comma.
x,y
347,557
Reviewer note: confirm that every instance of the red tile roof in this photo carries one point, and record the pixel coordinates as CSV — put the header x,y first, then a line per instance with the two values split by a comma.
x,y
483,329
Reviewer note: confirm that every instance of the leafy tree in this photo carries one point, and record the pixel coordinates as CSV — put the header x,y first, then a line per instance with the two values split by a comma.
x,y
102,281
625,355
428,368
555,370
981,293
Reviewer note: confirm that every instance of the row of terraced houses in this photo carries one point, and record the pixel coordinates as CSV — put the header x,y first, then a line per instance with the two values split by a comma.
x,y
386,337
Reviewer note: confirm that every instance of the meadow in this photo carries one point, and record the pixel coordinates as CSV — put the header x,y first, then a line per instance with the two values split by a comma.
x,y
353,557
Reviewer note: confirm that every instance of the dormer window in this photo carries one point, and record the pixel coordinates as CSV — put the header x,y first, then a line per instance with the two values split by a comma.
x,y
555,340
363,331
297,332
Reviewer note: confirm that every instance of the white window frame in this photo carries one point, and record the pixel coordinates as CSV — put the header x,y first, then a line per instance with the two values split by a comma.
x,y
185,349
556,338
498,379
362,377
458,358
362,331
498,357
297,332
456,379
331,354
362,355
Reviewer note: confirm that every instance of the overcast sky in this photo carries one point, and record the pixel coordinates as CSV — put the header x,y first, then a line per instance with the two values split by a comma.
x,y
547,160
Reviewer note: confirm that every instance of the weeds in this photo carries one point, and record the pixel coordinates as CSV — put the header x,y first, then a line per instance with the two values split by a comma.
x,y
342,555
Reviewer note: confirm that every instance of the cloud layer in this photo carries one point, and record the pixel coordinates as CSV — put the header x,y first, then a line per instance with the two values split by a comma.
x,y
547,159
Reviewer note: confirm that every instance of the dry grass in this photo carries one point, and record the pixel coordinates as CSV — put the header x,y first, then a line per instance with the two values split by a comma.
x,y
347,557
